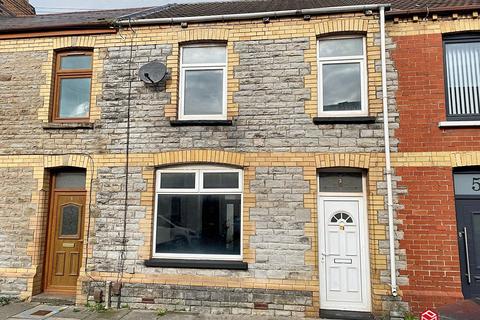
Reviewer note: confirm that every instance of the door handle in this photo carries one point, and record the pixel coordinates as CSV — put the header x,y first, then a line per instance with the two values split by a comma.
x,y
465,238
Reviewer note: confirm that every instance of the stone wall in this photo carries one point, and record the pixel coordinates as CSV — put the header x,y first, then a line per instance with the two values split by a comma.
x,y
214,300
16,210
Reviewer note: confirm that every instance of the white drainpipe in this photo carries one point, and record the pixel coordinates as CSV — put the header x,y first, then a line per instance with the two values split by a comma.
x,y
388,165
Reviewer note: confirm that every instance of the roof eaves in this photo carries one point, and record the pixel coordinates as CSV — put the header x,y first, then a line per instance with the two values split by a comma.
x,y
428,10
246,16
72,26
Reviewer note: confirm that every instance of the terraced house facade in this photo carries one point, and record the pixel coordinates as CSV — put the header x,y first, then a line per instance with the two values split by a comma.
x,y
255,157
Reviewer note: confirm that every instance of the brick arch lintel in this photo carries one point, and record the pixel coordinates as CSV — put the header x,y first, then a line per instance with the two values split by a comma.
x,y
199,156
343,160
466,159
202,34
341,25
464,26
74,42
78,161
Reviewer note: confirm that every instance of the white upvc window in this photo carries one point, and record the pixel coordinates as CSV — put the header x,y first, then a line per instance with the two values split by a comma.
x,y
203,82
342,76
198,213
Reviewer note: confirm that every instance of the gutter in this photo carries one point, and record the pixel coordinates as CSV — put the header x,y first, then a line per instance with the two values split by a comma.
x,y
255,15
388,165
428,10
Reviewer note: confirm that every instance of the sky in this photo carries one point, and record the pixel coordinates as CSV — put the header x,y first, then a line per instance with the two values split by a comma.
x,y
58,6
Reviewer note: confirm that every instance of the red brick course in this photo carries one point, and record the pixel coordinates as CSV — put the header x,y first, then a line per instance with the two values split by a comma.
x,y
421,98
430,237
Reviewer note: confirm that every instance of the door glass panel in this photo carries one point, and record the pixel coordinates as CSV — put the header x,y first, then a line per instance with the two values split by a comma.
x,y
70,180
467,183
69,216
340,182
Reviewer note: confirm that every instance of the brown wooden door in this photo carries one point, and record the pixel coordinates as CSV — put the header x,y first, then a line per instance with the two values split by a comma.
x,y
65,241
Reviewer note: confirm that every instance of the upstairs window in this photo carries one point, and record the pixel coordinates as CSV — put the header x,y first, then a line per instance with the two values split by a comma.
x,y
462,72
73,81
203,82
198,213
342,76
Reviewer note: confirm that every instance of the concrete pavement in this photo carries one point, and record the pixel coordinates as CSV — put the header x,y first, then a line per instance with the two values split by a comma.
x,y
38,311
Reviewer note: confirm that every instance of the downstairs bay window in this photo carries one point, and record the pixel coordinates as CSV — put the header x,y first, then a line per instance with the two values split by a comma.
x,y
198,213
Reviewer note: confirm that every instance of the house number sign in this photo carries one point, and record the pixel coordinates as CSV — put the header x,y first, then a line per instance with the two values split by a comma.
x,y
467,184
476,184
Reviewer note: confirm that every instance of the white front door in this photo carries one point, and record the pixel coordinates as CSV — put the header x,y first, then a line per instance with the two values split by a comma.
x,y
343,246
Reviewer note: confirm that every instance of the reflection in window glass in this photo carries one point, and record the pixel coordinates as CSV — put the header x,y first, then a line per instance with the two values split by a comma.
x,y
340,182
205,221
74,101
198,224
203,92
70,215
219,180
342,87
340,47
172,180
203,89
341,66
82,62
204,55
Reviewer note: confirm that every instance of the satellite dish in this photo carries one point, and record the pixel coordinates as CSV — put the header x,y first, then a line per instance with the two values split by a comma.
x,y
153,72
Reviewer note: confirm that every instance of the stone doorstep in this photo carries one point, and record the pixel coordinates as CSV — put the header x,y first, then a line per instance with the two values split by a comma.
x,y
56,300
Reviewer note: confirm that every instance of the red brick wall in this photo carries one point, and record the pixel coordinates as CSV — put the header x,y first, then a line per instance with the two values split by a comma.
x,y
430,237
421,98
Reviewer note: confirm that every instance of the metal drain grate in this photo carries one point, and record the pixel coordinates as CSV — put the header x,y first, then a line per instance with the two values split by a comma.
x,y
41,313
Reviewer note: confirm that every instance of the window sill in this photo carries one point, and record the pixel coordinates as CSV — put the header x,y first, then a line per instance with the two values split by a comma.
x,y
184,123
344,120
197,264
68,125
458,124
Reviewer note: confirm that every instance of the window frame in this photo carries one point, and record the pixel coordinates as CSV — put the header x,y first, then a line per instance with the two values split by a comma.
x,y
202,67
451,39
199,170
60,74
362,60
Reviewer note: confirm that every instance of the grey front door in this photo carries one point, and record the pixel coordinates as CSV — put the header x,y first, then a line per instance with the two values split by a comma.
x,y
468,221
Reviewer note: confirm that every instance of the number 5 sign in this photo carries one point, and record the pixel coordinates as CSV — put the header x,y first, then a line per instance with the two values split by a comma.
x,y
429,315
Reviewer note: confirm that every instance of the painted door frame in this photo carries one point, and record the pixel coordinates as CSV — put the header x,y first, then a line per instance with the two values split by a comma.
x,y
51,231
364,247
